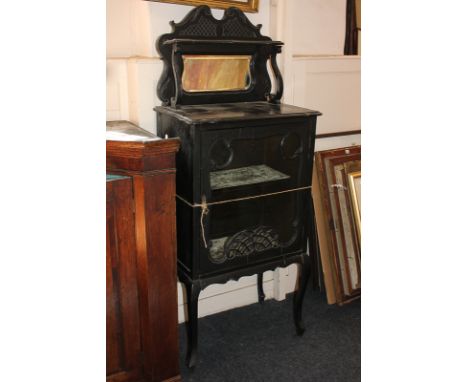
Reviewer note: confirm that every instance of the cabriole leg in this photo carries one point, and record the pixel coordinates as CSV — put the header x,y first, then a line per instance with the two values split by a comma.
x,y
193,291
304,273
261,294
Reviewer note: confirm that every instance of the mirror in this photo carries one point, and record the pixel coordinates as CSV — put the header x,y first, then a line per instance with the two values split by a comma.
x,y
208,73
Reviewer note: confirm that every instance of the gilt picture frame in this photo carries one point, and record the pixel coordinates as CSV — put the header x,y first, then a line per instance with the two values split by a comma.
x,y
346,241
339,244
243,5
354,181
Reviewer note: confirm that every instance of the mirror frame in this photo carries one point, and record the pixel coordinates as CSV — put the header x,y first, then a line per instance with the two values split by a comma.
x,y
200,33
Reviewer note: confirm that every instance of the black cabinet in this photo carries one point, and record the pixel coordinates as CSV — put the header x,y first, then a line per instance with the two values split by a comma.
x,y
254,176
243,191
244,168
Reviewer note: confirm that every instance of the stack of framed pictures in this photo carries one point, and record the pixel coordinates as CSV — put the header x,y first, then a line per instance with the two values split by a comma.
x,y
336,191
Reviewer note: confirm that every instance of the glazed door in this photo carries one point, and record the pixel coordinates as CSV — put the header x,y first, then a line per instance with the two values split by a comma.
x,y
254,180
253,231
255,160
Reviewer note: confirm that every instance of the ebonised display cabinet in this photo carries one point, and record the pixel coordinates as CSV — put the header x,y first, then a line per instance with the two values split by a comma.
x,y
245,162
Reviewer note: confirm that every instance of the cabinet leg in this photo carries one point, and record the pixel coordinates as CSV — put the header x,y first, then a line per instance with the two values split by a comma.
x,y
193,291
304,268
261,294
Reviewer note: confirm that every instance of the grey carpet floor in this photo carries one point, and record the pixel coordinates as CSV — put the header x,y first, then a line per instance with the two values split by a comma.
x,y
258,343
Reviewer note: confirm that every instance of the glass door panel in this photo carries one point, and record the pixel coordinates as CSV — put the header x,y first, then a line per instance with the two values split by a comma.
x,y
253,230
252,161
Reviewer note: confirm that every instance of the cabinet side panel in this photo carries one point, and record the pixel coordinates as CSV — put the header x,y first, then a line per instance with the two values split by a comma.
x,y
123,338
113,321
184,235
156,236
174,128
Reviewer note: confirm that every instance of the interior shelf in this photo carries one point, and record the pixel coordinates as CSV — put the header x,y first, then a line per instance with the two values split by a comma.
x,y
244,176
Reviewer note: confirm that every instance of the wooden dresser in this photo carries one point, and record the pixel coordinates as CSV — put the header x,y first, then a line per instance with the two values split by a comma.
x,y
141,266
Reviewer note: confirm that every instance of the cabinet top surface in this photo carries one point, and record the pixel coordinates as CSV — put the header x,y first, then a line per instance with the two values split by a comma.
x,y
126,131
112,177
224,112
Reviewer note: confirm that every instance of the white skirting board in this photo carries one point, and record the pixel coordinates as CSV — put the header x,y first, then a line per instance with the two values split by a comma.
x,y
234,294
218,297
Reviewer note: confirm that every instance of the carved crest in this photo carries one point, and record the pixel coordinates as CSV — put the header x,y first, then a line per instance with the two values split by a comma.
x,y
200,23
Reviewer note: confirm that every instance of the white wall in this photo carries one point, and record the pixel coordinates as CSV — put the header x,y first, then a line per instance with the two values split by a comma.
x,y
119,34
316,76
134,25
132,29
319,27
330,84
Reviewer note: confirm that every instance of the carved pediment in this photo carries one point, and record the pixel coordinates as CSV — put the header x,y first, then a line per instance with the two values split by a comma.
x,y
200,23
200,33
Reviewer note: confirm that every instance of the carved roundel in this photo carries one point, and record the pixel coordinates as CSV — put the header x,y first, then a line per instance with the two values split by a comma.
x,y
221,154
291,146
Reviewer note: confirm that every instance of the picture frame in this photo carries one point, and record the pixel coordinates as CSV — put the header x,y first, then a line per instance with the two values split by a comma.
x,y
339,244
347,241
243,5
354,181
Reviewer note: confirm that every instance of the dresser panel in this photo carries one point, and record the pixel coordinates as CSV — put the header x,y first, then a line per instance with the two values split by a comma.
x,y
122,317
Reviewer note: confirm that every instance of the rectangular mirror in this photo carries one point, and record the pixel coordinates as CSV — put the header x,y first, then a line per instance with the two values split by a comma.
x,y
214,73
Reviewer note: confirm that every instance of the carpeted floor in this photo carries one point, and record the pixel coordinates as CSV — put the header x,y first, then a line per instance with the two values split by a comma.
x,y
258,343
